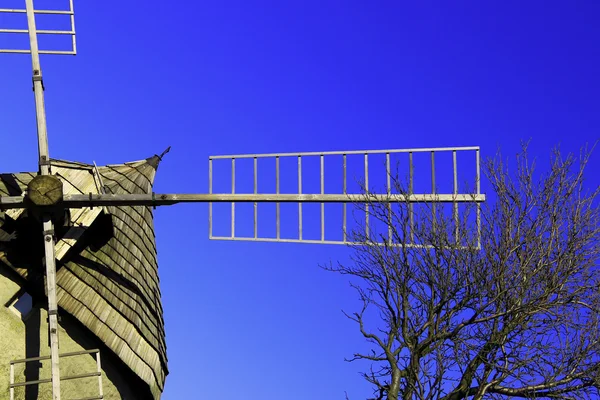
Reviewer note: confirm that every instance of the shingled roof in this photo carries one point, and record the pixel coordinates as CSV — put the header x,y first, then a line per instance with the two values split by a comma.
x,y
111,286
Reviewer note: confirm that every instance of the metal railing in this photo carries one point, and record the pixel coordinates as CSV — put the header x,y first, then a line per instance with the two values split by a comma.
x,y
97,373
344,197
71,32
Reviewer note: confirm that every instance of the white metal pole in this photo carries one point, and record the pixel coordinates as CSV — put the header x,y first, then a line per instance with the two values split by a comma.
x,y
99,365
12,380
44,169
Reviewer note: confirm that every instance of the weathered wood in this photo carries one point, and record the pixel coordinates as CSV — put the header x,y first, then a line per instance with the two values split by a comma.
x,y
12,203
81,221
52,303
96,200
99,317
45,190
75,201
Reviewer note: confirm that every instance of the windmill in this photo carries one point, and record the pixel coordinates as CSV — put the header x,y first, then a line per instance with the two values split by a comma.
x,y
72,201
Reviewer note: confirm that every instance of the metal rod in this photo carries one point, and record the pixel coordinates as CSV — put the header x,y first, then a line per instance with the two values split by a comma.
x,y
433,207
55,52
80,376
432,172
210,206
389,192
411,213
478,206
57,12
74,40
99,366
233,192
367,194
353,152
277,205
477,171
39,32
255,192
455,191
12,381
29,383
79,353
63,355
300,192
344,192
322,192
337,242
44,169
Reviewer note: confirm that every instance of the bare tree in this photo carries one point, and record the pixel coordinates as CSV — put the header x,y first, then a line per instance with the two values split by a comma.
x,y
514,314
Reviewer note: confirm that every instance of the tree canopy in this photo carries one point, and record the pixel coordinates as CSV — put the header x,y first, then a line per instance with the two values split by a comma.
x,y
499,301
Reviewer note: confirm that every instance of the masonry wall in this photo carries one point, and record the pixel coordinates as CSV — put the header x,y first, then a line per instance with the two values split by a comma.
x,y
28,337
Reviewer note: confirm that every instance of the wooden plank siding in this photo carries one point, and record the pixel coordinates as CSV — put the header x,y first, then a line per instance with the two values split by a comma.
x,y
112,290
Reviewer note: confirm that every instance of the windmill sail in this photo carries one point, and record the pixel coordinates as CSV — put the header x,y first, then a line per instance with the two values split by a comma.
x,y
53,32
317,177
44,158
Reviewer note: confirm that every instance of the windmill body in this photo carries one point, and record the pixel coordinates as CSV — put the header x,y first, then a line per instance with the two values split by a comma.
x,y
78,240
107,284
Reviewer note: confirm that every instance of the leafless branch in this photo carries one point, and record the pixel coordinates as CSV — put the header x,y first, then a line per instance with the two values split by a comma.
x,y
517,316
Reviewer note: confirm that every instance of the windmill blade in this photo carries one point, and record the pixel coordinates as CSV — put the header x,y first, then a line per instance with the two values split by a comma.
x,y
378,183
71,32
44,159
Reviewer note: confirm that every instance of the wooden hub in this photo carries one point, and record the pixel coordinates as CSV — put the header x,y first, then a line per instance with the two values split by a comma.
x,y
45,190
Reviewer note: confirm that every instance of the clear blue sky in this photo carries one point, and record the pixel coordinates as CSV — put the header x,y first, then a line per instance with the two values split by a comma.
x,y
261,320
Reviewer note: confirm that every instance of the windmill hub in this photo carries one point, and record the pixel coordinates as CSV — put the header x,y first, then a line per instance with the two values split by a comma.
x,y
45,190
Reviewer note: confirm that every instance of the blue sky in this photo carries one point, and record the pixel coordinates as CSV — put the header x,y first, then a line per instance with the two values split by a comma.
x,y
262,320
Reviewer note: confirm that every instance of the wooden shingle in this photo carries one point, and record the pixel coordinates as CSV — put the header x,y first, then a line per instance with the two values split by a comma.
x,y
113,289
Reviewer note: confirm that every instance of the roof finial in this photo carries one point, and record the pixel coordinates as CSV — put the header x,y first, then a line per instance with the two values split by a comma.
x,y
156,159
164,152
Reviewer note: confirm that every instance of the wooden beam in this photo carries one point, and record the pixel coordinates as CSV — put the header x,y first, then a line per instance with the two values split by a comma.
x,y
97,200
11,202
48,191
45,190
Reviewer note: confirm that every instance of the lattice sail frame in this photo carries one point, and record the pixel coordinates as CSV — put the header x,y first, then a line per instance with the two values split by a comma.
x,y
44,159
70,12
344,197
